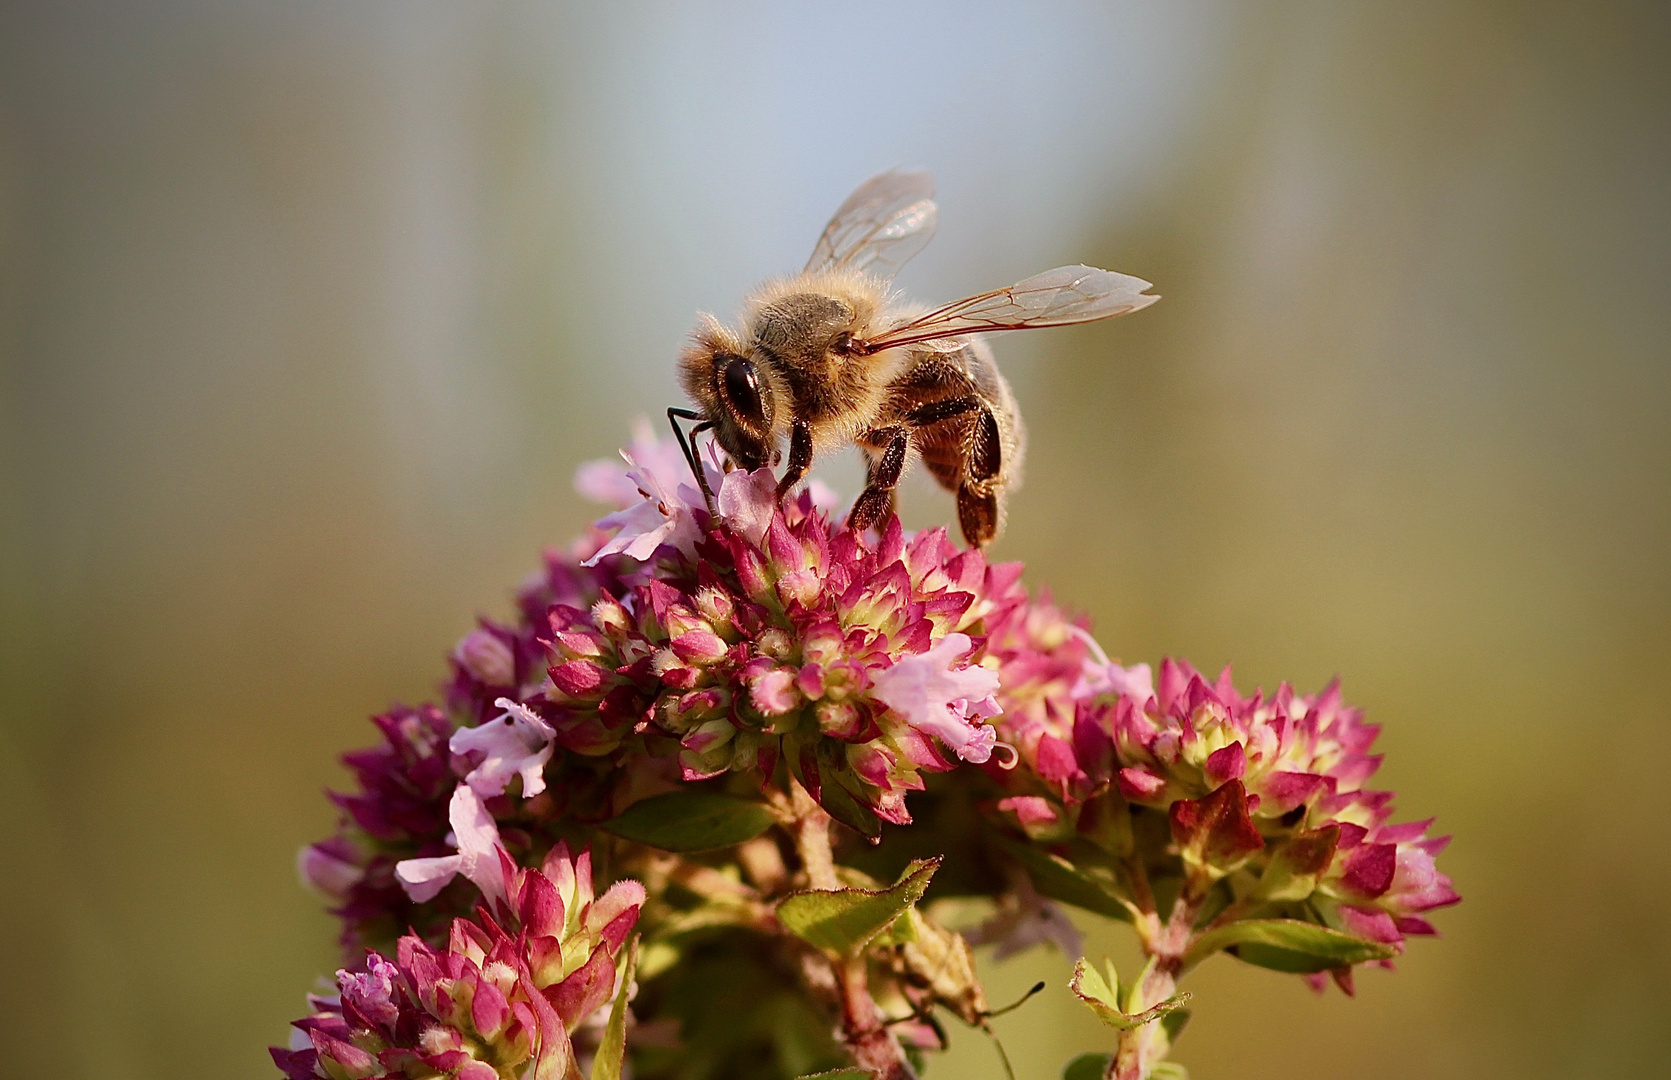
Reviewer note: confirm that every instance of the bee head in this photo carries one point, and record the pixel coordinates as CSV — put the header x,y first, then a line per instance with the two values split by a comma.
x,y
738,393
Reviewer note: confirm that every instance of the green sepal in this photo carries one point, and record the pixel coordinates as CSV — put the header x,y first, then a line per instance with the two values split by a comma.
x,y
1102,994
1168,1070
612,1048
1296,865
692,820
844,921
1287,945
845,807
1059,879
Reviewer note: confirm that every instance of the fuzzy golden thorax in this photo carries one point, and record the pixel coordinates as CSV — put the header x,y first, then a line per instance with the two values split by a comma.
x,y
791,353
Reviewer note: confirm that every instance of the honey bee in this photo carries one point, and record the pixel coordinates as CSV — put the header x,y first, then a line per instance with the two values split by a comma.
x,y
832,357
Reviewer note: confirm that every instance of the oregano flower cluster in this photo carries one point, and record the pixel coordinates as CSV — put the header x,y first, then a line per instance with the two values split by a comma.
x,y
748,724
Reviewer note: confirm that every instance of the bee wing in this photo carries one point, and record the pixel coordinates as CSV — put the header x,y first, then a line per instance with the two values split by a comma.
x,y
1059,297
887,220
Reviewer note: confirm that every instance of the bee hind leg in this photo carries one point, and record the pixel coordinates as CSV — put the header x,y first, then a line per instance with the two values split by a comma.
x,y
979,510
978,514
876,503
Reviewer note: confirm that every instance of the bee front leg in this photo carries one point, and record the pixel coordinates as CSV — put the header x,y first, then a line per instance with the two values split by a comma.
x,y
876,502
688,447
800,457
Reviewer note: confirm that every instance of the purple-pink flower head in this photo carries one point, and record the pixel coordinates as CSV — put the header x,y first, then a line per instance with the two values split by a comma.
x,y
1191,736
777,635
399,812
500,999
1269,787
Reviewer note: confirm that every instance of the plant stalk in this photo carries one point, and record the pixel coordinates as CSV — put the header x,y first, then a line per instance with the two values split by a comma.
x,y
868,1039
1140,1048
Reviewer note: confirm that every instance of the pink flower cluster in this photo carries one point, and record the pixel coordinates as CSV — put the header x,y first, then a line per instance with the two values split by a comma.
x,y
674,644
400,812
499,1001
779,635
1272,787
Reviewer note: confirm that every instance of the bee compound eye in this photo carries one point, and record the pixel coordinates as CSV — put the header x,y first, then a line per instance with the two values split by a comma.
x,y
742,392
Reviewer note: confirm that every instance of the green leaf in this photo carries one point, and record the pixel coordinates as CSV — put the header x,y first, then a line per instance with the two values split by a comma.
x,y
1102,995
1287,945
902,931
692,820
1059,879
1087,1067
612,1049
843,921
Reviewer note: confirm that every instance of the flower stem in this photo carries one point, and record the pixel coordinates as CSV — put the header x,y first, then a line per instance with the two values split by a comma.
x,y
871,1043
1139,1048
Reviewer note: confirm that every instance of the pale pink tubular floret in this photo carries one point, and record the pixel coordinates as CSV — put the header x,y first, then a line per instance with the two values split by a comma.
x,y
477,839
942,700
670,499
746,500
665,516
1099,675
324,871
487,657
606,481
517,743
1025,919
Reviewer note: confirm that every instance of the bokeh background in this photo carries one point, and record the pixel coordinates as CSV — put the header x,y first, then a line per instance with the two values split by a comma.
x,y
309,310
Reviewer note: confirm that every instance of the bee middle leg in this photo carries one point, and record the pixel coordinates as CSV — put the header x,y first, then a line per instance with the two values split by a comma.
x,y
877,500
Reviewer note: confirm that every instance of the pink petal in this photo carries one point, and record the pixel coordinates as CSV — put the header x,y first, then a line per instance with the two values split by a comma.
x,y
1029,809
518,743
936,698
747,500
699,647
1369,869
774,692
423,879
623,896
477,839
489,1011
586,988
1056,763
1227,763
325,872
487,658
539,907
1139,785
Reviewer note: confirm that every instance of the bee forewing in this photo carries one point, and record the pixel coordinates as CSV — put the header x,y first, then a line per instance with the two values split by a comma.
x,y
1059,297
887,220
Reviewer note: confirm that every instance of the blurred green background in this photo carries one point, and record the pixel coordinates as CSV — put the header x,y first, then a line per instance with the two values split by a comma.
x,y
308,311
